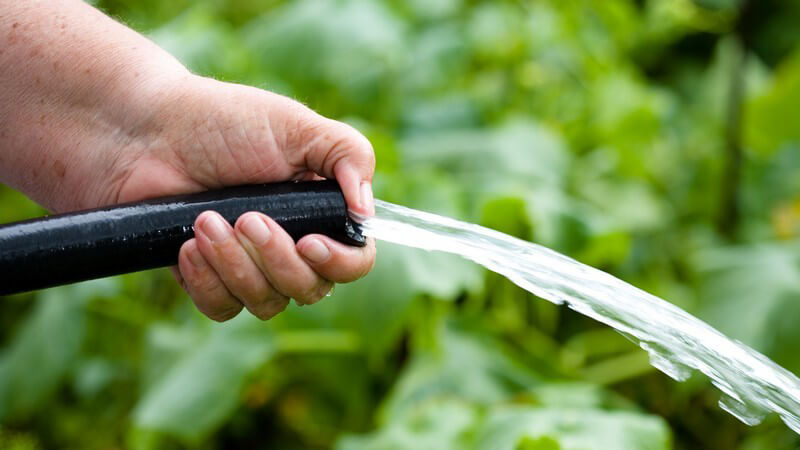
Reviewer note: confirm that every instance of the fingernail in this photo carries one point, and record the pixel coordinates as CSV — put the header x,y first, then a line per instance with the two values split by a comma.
x,y
256,230
215,228
367,202
197,260
316,252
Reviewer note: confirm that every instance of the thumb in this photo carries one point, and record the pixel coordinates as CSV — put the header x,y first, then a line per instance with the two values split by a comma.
x,y
331,149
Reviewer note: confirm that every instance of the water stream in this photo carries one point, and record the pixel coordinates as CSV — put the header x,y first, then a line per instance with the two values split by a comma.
x,y
752,385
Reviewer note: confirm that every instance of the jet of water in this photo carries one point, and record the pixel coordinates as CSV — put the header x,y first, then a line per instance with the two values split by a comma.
x,y
677,342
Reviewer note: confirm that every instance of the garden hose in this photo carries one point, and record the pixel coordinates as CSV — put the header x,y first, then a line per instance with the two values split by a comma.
x,y
97,243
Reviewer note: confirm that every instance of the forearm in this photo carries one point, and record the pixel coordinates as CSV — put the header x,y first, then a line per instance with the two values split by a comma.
x,y
76,88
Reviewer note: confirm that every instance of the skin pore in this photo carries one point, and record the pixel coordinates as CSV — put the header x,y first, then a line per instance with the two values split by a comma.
x,y
92,113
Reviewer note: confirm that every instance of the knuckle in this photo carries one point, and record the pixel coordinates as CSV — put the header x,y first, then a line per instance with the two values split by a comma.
x,y
239,276
303,126
253,294
357,144
206,282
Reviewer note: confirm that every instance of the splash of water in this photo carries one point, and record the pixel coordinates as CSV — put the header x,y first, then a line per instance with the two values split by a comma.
x,y
677,342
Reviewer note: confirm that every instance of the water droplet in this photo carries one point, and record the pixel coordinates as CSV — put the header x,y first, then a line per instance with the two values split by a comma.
x,y
331,292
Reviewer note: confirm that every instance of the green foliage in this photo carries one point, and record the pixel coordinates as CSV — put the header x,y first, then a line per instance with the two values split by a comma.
x,y
200,390
602,129
764,132
32,367
572,429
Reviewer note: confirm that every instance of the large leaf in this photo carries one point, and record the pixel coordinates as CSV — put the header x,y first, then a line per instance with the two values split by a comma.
x,y
199,392
351,44
750,292
43,351
573,429
520,151
442,423
451,423
519,158
494,374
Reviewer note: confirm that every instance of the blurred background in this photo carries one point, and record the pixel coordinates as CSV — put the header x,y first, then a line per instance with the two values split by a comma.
x,y
658,140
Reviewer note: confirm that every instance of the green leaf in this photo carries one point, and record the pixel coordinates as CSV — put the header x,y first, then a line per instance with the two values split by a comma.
x,y
539,443
771,119
43,351
520,151
350,44
205,45
507,215
17,206
573,429
750,293
494,373
437,424
577,395
200,391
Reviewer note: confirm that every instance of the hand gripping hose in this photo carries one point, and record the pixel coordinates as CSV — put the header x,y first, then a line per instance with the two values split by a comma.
x,y
97,243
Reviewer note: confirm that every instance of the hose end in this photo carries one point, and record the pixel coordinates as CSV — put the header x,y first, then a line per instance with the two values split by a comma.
x,y
352,230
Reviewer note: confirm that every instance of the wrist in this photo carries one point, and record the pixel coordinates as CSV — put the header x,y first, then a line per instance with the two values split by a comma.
x,y
141,123
75,105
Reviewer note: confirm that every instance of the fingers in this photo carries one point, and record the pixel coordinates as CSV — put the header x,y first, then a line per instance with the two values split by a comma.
x,y
336,261
330,148
257,265
356,189
205,287
273,251
232,269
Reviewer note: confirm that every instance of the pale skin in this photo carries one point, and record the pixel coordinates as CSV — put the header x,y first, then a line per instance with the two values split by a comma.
x,y
93,114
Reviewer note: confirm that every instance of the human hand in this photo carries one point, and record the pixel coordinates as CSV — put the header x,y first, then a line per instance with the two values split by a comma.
x,y
215,134
94,114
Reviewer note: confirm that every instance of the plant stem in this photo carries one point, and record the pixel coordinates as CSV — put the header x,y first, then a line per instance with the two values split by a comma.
x,y
730,213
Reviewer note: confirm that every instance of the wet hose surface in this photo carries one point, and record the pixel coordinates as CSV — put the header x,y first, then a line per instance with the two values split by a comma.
x,y
125,238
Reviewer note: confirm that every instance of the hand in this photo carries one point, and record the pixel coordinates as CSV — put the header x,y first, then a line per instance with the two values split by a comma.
x,y
92,113
214,134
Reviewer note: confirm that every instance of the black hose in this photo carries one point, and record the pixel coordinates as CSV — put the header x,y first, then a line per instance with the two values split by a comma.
x,y
125,238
